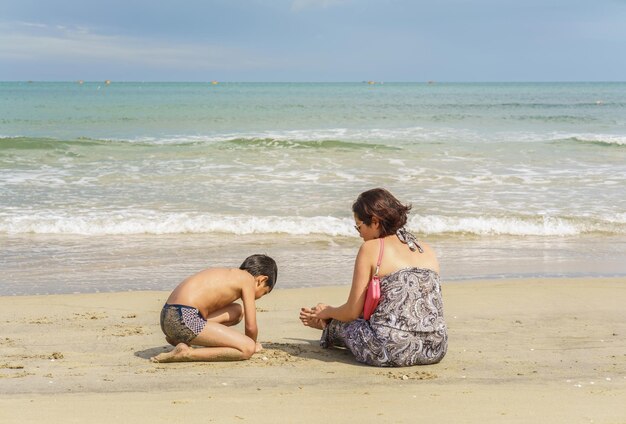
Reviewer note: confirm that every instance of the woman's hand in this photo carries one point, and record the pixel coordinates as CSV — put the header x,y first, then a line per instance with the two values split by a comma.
x,y
309,317
321,311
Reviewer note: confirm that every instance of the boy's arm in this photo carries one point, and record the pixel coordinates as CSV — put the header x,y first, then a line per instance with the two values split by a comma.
x,y
249,310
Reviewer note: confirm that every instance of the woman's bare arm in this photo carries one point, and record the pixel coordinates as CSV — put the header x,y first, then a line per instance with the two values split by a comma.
x,y
363,271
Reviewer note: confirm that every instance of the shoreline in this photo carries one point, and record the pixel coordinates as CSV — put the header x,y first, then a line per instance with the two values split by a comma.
x,y
52,264
517,348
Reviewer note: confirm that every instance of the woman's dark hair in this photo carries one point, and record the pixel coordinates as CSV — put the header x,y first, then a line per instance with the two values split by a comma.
x,y
381,204
261,265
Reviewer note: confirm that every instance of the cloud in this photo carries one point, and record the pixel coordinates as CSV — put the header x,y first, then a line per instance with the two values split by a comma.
x,y
39,43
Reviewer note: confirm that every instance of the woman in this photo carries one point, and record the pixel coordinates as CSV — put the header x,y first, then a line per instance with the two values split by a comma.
x,y
407,327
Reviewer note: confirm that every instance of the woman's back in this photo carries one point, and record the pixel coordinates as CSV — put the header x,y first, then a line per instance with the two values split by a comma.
x,y
397,255
410,300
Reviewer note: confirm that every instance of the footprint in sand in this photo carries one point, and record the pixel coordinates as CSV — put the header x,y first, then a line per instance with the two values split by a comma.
x,y
408,375
7,366
119,330
20,374
148,371
13,371
53,356
7,342
42,320
90,315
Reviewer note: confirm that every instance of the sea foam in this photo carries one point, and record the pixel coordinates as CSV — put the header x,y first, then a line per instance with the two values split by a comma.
x,y
152,222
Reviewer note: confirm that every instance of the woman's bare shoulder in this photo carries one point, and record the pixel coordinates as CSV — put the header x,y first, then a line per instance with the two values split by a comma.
x,y
370,246
368,251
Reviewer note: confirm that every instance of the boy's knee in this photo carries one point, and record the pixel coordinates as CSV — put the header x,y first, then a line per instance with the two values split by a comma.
x,y
248,350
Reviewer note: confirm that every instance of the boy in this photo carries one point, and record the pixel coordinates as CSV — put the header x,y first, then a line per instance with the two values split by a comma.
x,y
201,309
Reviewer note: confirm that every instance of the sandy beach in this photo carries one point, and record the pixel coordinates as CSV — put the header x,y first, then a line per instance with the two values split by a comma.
x,y
543,350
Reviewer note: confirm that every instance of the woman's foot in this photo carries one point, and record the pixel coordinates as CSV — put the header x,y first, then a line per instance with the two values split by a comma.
x,y
178,354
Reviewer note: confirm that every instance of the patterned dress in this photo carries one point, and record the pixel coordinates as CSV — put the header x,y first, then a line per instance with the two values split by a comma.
x,y
407,328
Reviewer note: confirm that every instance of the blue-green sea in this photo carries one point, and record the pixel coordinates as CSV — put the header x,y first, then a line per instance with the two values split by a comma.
x,y
133,186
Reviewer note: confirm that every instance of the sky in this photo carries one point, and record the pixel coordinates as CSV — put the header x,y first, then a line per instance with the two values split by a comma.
x,y
313,40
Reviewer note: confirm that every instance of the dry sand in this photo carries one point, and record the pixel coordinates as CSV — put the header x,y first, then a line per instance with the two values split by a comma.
x,y
520,351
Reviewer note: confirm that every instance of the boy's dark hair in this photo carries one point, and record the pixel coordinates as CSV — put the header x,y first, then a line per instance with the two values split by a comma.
x,y
381,204
261,265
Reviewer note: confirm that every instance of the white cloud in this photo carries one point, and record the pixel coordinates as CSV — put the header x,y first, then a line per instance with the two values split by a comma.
x,y
34,42
31,24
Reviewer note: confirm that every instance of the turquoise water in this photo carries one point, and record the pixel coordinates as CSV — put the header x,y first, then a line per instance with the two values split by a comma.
x,y
129,111
535,171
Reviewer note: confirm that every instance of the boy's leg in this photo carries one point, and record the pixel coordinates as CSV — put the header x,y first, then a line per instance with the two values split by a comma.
x,y
222,344
228,315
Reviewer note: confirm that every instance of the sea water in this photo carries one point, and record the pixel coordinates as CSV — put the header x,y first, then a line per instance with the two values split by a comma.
x,y
129,186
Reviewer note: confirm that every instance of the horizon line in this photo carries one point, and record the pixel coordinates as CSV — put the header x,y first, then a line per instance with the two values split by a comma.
x,y
371,82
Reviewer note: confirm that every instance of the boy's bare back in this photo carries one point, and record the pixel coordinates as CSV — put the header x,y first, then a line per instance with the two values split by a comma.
x,y
202,309
211,289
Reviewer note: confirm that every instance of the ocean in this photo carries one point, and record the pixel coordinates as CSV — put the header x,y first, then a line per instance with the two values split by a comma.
x,y
134,186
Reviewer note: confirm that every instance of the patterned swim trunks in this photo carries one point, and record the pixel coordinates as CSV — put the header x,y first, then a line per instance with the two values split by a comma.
x,y
180,323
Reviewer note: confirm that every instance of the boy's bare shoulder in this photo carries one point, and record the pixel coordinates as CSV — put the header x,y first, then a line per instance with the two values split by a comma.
x,y
240,277
223,276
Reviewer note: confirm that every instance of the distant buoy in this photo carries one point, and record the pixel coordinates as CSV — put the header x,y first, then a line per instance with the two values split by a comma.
x,y
107,82
214,83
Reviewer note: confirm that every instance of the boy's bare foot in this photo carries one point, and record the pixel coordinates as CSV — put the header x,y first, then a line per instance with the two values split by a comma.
x,y
178,354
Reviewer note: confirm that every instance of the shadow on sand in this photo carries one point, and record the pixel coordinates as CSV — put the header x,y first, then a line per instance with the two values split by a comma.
x,y
303,349
309,350
153,351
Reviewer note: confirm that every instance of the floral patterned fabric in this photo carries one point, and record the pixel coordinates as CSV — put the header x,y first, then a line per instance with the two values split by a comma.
x,y
407,328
